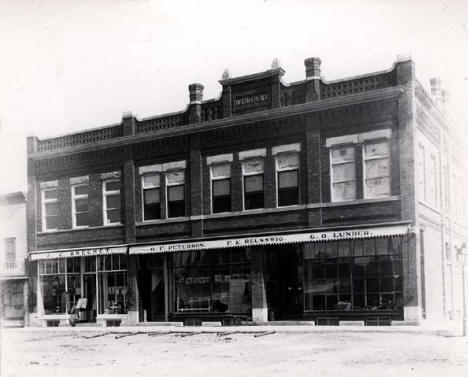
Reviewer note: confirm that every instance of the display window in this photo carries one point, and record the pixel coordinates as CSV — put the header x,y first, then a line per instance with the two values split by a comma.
x,y
215,281
354,275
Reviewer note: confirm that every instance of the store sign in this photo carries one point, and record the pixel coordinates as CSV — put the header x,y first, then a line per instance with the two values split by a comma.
x,y
55,254
251,100
273,240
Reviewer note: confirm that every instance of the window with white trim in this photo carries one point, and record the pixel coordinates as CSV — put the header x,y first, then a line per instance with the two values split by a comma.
x,y
10,252
49,198
376,157
421,172
253,183
343,173
79,195
111,201
151,191
287,170
433,182
221,187
175,186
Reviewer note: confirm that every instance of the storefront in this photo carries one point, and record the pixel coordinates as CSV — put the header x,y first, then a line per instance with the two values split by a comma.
x,y
354,274
86,285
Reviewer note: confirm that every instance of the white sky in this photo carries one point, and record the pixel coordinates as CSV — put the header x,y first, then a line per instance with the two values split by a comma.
x,y
70,65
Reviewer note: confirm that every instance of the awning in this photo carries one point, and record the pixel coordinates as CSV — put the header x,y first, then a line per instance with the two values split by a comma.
x,y
334,235
81,252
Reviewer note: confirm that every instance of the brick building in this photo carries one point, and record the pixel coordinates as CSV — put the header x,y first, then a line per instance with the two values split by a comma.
x,y
14,285
316,200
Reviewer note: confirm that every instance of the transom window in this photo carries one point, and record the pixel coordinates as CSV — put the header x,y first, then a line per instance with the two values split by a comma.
x,y
221,187
287,167
79,195
253,183
111,202
151,187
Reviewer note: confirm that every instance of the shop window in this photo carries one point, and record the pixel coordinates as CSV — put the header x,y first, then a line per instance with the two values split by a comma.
x,y
175,182
151,196
53,286
10,253
343,167
112,202
79,194
376,169
221,187
355,282
287,168
253,183
50,209
215,281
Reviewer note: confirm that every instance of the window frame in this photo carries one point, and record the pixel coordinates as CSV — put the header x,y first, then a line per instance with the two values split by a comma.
x,y
45,201
221,178
168,186
105,194
74,197
365,194
244,175
10,253
286,169
332,191
143,188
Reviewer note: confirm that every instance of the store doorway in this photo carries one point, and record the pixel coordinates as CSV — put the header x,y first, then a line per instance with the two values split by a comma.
x,y
89,292
284,283
151,286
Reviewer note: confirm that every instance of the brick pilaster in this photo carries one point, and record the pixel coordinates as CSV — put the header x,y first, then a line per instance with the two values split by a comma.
x,y
196,186
32,202
129,196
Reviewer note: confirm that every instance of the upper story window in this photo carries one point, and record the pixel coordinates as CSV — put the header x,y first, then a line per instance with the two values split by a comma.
x,y
175,188
112,211
79,196
343,173
49,200
376,169
151,191
10,252
287,171
433,181
252,171
421,172
345,165
220,173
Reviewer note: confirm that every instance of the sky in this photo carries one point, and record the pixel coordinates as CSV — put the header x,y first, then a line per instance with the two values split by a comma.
x,y
67,66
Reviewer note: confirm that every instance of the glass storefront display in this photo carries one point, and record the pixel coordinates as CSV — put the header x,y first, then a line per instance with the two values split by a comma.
x,y
354,275
216,281
97,284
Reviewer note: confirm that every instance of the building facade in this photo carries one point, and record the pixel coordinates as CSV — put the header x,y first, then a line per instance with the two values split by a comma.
x,y
273,202
14,284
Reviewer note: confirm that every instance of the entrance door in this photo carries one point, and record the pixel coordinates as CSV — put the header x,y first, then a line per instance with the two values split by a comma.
x,y
151,283
284,287
89,285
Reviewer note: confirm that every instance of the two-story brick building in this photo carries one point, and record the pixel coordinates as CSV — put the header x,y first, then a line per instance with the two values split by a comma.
x,y
14,284
273,202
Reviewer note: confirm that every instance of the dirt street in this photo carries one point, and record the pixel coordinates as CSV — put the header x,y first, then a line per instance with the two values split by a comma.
x,y
317,352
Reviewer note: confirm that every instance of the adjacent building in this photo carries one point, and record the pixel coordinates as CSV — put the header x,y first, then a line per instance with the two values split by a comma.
x,y
317,200
14,285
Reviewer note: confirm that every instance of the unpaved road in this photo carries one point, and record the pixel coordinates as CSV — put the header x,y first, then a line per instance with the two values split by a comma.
x,y
314,353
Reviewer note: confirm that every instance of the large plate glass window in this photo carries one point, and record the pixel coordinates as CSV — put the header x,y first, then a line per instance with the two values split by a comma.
x,y
287,167
343,166
253,183
112,202
175,182
221,187
50,209
53,286
376,169
151,196
79,195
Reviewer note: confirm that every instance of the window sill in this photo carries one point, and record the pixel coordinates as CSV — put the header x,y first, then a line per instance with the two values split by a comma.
x,y
164,221
79,229
354,202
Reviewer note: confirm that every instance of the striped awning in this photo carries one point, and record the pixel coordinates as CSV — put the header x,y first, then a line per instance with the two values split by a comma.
x,y
334,235
79,252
